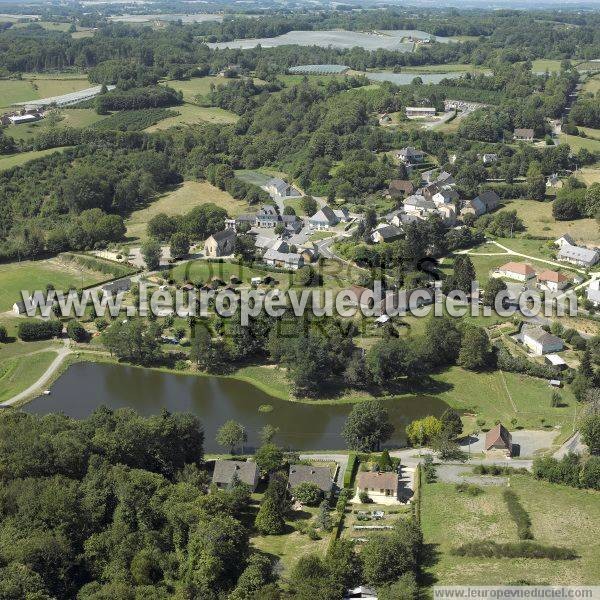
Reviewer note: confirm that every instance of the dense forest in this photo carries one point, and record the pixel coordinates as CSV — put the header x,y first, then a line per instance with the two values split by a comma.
x,y
178,50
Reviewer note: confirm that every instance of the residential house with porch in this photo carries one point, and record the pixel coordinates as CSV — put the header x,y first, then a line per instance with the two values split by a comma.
x,y
552,281
410,155
381,487
515,270
523,135
226,470
319,476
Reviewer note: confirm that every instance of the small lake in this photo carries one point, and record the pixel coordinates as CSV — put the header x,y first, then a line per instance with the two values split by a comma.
x,y
407,78
85,386
337,38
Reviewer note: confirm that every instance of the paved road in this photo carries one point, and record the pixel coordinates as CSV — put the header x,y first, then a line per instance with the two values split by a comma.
x,y
340,459
40,384
573,444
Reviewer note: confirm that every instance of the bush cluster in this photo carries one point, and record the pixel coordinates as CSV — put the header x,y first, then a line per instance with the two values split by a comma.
x,y
491,549
39,330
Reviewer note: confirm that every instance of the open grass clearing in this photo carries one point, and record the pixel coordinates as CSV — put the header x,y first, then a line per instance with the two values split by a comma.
x,y
22,90
538,219
260,176
18,373
592,84
541,65
192,114
8,161
180,201
588,175
560,516
35,275
196,86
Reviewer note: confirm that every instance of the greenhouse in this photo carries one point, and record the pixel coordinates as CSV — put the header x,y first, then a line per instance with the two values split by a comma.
x,y
318,69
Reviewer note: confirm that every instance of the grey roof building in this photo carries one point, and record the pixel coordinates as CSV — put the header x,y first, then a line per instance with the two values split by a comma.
x,y
226,470
320,476
120,285
578,255
324,218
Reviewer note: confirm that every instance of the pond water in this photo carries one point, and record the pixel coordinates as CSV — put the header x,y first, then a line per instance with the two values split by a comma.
x,y
337,38
85,386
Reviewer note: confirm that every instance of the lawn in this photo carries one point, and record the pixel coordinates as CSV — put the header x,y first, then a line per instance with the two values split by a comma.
x,y
71,117
292,545
18,373
560,516
539,221
296,204
259,177
181,200
16,160
34,275
191,114
445,68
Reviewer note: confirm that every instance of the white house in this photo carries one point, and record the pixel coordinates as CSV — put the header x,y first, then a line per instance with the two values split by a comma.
x,y
410,155
593,292
382,488
278,188
323,219
515,270
541,342
553,281
19,308
564,240
283,260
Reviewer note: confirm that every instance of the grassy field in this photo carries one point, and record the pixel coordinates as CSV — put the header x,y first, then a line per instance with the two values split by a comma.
x,y
576,142
70,117
181,200
592,84
18,373
197,86
544,64
444,68
260,177
16,160
588,175
17,90
476,395
560,516
191,114
34,275
539,221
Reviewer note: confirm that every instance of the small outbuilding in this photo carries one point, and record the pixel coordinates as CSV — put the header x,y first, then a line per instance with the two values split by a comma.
x,y
498,441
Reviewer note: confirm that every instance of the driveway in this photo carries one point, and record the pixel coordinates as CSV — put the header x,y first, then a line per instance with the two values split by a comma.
x,y
464,474
529,441
573,444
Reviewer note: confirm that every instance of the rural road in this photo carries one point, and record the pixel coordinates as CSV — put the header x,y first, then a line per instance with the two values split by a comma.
x,y
39,385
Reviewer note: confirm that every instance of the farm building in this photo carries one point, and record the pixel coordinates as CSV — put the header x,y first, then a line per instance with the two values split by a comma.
x,y
420,111
66,99
541,342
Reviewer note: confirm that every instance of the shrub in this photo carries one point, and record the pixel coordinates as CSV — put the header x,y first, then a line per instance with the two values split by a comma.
x,y
308,493
39,330
350,469
490,549
519,515
429,469
3,334
469,488
364,497
76,331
